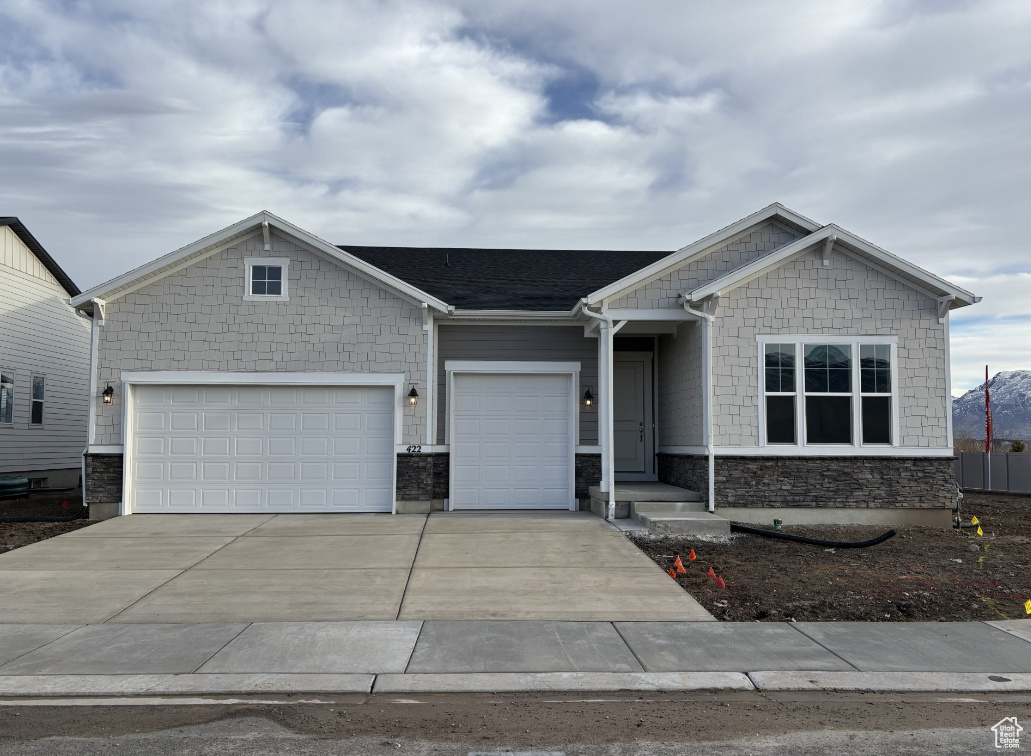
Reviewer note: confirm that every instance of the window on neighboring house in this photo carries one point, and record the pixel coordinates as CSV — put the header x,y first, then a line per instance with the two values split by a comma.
x,y
6,397
828,393
266,278
875,392
38,395
781,393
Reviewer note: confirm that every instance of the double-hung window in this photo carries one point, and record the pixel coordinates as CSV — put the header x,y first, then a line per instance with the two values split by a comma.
x,y
6,397
38,395
835,391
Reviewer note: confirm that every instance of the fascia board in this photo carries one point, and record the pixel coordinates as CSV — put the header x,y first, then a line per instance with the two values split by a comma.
x,y
685,254
227,234
756,268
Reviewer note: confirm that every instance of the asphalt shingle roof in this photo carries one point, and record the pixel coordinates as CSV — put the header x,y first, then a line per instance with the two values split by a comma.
x,y
505,279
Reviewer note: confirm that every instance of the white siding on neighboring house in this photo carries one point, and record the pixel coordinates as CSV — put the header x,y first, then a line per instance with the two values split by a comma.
x,y
663,292
41,335
845,298
196,319
520,343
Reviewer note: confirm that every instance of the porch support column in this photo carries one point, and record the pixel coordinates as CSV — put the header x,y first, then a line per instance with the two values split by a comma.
x,y
604,403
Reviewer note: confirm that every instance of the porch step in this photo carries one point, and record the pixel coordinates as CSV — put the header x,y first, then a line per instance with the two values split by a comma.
x,y
669,507
665,522
648,491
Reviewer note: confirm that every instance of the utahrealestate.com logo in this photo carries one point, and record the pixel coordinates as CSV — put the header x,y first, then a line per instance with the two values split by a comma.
x,y
1007,733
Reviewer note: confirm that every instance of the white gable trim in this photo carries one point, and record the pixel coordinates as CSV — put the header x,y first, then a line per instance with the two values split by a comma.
x,y
163,266
935,286
685,254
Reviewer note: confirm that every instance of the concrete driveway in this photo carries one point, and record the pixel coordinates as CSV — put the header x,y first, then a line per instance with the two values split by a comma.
x,y
331,567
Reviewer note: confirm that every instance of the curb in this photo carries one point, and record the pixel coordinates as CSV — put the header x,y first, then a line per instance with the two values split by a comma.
x,y
510,682
893,682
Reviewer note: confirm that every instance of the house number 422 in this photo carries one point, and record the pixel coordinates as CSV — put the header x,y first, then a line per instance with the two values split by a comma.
x,y
414,449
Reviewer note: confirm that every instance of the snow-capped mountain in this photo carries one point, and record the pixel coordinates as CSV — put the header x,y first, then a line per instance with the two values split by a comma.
x,y
1011,408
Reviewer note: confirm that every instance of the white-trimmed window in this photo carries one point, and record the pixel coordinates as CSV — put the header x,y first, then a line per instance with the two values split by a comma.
x,y
828,391
6,397
39,389
266,279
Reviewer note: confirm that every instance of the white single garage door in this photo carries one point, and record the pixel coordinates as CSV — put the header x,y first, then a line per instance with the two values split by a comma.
x,y
262,449
512,441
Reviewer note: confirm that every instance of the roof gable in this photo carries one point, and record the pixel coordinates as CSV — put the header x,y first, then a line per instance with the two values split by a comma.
x,y
210,244
843,241
41,254
703,246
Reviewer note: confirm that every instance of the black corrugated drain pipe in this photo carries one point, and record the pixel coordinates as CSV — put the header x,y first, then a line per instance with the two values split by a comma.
x,y
735,528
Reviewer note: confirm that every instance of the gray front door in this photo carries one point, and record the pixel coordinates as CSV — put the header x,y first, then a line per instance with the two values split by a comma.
x,y
631,413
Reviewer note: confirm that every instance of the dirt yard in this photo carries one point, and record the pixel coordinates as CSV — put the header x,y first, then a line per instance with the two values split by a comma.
x,y
922,573
40,504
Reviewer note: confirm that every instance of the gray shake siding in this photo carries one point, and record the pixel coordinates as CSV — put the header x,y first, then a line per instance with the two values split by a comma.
x,y
523,343
681,388
196,319
845,298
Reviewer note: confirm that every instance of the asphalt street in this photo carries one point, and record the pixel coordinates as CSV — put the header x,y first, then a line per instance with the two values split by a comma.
x,y
700,723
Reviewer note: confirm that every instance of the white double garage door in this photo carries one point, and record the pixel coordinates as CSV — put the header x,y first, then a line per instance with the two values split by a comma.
x,y
289,448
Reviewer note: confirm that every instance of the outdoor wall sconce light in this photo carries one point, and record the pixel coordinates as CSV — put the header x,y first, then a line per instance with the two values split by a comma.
x,y
108,394
413,397
588,398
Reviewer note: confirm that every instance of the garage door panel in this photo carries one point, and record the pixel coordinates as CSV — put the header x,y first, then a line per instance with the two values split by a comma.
x,y
216,421
249,446
512,441
311,449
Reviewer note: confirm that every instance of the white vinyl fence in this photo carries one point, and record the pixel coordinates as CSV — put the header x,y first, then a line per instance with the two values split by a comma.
x,y
1010,471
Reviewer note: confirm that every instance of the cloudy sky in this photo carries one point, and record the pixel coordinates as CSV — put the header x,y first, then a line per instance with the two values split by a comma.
x,y
128,129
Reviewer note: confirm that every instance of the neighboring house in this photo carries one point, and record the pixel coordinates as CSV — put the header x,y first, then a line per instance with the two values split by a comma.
x,y
44,365
774,364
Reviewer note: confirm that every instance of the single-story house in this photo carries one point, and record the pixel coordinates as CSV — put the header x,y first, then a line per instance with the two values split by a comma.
x,y
44,364
777,365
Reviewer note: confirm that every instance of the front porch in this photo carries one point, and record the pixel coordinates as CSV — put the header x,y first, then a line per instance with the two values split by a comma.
x,y
660,507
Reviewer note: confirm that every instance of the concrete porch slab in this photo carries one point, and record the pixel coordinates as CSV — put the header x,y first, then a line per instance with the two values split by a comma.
x,y
126,649
16,640
725,647
340,525
159,525
647,491
315,553
269,595
922,646
592,549
73,596
318,647
162,553
551,593
535,646
514,522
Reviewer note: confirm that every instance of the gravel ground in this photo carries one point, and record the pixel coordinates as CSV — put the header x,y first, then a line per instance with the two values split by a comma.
x,y
922,574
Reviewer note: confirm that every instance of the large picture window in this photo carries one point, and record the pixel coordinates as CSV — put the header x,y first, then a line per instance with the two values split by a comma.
x,y
828,394
837,392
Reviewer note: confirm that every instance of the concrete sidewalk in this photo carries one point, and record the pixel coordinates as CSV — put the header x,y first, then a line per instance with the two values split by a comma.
x,y
467,656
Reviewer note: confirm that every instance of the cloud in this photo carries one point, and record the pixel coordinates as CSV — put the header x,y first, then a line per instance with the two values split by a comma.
x,y
129,129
